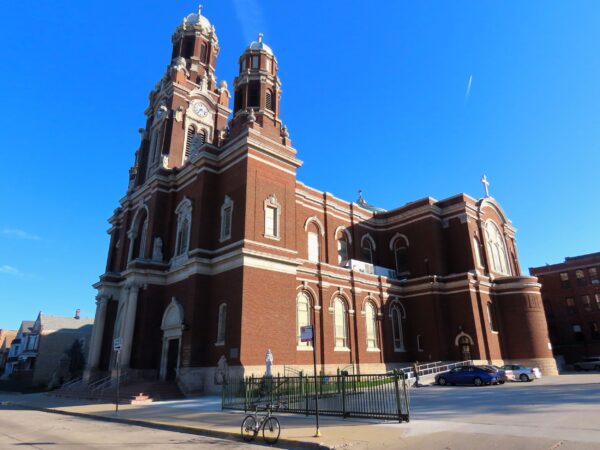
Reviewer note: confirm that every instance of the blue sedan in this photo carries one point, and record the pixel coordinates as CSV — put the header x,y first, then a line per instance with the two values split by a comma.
x,y
468,375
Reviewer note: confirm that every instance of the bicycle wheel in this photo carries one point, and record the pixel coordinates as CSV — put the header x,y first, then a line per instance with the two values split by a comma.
x,y
271,430
249,428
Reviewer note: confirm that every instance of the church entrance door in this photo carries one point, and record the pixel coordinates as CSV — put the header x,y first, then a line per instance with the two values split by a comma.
x,y
465,348
172,359
172,327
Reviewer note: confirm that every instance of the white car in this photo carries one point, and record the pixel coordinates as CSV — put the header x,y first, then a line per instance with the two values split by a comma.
x,y
591,363
515,372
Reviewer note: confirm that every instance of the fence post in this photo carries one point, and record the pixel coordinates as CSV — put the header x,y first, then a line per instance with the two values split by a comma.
x,y
406,399
343,394
245,388
397,391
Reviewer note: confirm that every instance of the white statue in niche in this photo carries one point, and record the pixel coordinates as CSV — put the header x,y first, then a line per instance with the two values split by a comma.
x,y
221,372
157,250
269,363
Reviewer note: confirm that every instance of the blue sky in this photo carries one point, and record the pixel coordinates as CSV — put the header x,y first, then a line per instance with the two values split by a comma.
x,y
374,95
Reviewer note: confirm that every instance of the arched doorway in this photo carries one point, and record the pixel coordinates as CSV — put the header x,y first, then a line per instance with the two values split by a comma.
x,y
171,327
465,343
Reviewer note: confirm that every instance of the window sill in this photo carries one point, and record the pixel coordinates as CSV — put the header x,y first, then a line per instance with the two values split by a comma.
x,y
303,348
274,238
373,350
224,239
219,344
494,332
341,349
399,350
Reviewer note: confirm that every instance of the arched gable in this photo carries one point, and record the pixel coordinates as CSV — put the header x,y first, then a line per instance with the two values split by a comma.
x,y
317,222
173,316
184,206
135,223
369,238
490,203
396,237
398,304
374,301
463,334
310,292
345,231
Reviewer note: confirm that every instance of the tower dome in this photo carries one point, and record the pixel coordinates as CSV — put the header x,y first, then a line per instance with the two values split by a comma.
x,y
197,19
260,45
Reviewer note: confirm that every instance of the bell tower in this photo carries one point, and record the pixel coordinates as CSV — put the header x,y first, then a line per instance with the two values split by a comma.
x,y
257,92
188,112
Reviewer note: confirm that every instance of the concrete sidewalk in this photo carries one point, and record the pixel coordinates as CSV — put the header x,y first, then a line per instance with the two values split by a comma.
x,y
203,416
559,411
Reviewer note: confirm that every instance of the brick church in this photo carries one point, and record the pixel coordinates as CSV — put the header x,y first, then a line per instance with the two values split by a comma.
x,y
219,253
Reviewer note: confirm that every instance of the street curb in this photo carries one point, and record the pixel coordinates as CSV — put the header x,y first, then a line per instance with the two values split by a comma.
x,y
281,443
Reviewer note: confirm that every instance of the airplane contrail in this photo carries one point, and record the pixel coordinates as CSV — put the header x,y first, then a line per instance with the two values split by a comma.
x,y
468,93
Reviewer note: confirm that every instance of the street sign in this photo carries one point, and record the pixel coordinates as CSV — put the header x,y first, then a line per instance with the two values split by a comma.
x,y
117,344
306,333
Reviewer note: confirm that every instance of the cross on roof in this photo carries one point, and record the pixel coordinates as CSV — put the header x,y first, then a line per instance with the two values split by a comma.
x,y
486,185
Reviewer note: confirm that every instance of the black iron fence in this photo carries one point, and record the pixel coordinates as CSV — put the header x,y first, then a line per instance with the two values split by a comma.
x,y
367,396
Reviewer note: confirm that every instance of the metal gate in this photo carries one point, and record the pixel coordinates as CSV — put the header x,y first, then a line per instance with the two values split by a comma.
x,y
367,396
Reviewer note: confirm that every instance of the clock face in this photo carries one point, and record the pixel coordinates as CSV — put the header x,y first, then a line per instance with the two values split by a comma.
x,y
200,109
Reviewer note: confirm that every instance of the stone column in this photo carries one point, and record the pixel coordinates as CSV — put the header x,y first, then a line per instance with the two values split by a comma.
x,y
128,325
97,335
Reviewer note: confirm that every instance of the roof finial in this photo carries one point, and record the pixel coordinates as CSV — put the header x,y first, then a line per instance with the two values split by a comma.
x,y
361,200
486,185
200,10
260,37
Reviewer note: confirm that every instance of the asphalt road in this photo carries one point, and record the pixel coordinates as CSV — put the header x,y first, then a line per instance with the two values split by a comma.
x,y
39,430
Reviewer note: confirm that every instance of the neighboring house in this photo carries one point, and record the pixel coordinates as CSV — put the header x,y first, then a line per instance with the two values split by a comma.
x,y
42,357
571,295
16,348
6,338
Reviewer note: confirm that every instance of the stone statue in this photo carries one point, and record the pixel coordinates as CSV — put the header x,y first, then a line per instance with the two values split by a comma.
x,y
269,363
251,116
157,250
221,372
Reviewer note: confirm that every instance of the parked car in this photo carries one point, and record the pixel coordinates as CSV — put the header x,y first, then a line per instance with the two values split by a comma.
x,y
517,372
591,363
477,375
501,373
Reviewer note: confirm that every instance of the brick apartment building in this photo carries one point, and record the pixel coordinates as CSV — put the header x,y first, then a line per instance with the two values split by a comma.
x,y
218,253
571,295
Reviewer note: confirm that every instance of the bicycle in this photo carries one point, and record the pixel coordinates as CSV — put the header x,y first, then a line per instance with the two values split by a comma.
x,y
269,424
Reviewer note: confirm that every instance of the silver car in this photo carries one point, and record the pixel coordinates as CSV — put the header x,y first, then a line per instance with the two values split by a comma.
x,y
516,372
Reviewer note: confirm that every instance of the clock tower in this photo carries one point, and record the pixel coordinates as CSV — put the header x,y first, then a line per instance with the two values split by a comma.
x,y
188,109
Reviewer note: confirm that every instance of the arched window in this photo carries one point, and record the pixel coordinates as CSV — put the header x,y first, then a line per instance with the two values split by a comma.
x,y
367,248
302,316
221,324
138,235
269,103
340,323
401,255
226,218
371,325
202,137
191,132
496,248
313,246
314,231
398,316
342,248
184,221
272,216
